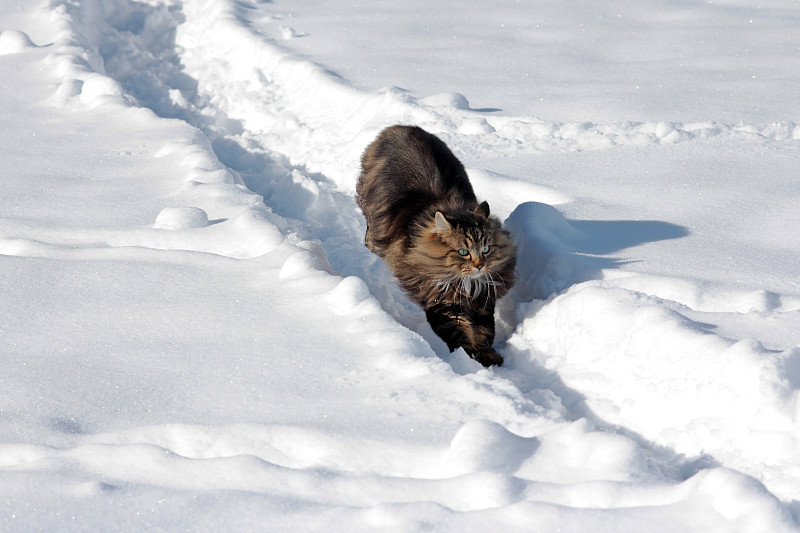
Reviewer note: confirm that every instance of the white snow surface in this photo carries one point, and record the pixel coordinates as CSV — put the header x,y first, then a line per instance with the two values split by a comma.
x,y
194,338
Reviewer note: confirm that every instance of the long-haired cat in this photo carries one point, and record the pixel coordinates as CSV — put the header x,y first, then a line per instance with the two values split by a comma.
x,y
446,251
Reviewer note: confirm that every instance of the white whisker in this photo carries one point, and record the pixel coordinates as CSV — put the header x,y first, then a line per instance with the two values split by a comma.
x,y
493,284
445,285
470,286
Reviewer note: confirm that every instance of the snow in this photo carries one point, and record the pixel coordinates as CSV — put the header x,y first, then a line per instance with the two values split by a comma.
x,y
194,337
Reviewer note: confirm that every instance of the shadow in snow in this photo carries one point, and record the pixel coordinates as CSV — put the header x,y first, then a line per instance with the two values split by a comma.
x,y
794,508
554,253
67,426
608,236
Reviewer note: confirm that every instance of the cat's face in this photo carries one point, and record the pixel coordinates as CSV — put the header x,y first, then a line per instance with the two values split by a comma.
x,y
465,251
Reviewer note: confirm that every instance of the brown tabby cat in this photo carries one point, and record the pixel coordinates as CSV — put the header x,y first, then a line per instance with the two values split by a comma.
x,y
447,253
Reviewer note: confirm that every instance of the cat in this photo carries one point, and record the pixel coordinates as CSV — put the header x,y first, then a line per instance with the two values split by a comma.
x,y
446,251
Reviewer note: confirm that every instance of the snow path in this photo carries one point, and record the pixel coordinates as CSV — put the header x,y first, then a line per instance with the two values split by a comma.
x,y
435,440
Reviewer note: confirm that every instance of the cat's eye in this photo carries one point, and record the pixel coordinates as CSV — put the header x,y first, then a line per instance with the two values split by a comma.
x,y
485,250
463,252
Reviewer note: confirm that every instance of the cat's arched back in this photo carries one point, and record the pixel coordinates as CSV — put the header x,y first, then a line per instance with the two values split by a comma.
x,y
405,171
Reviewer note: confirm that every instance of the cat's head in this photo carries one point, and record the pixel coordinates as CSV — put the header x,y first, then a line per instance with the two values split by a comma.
x,y
468,245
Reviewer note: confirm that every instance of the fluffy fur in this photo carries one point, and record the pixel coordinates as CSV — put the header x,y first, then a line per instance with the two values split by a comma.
x,y
446,251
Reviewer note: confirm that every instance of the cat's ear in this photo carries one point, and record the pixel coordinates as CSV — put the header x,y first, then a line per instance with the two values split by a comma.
x,y
440,224
482,209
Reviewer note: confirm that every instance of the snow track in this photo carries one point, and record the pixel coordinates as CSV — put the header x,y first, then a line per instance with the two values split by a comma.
x,y
303,390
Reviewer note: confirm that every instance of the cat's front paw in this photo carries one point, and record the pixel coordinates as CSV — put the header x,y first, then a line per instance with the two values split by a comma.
x,y
486,356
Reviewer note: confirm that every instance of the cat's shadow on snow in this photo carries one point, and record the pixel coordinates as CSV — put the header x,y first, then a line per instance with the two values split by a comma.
x,y
554,253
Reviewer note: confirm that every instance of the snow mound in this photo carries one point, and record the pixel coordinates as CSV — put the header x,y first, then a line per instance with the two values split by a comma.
x,y
180,218
454,100
14,42
483,445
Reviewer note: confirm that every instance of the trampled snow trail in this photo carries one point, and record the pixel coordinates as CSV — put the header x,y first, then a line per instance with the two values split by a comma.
x,y
516,447
292,108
